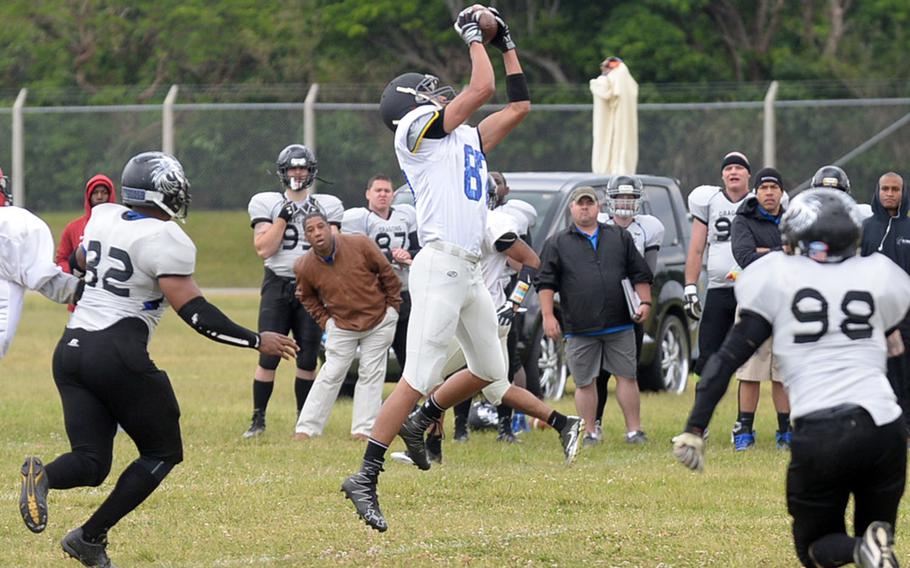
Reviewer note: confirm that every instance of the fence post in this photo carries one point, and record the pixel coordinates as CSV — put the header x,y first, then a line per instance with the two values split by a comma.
x,y
768,137
309,121
18,169
167,121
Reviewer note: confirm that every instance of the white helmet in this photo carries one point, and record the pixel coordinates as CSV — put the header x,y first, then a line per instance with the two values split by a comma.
x,y
522,211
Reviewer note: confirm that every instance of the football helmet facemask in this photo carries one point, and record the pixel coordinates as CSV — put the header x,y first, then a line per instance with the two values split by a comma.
x,y
831,177
6,191
822,224
624,196
156,179
296,156
408,91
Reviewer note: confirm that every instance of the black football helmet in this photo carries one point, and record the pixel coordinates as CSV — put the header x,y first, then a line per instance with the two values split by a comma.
x,y
822,224
6,191
156,179
406,92
624,186
831,177
296,156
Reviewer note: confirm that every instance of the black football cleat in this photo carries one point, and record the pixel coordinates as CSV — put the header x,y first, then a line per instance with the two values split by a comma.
x,y
360,488
257,425
33,496
570,436
89,553
412,433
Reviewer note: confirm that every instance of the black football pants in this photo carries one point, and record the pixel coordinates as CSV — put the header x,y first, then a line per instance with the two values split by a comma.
x,y
717,318
837,452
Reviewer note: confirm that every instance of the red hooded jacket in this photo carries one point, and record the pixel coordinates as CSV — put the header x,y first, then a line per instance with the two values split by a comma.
x,y
72,234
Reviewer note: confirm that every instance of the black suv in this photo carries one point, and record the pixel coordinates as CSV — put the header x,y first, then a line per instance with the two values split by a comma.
x,y
669,334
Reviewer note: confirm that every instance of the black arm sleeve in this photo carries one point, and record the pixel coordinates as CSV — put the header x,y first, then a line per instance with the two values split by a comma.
x,y
746,336
413,244
213,324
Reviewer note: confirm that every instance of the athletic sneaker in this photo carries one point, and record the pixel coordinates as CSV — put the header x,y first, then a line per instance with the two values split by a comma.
x,y
412,432
743,441
33,495
590,440
876,547
783,440
636,438
89,553
257,425
360,488
570,436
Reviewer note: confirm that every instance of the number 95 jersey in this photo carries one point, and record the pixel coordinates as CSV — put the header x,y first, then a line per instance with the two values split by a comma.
x,y
829,323
125,254
710,205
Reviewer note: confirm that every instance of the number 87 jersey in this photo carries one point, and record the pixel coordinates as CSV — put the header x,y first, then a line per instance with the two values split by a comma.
x,y
125,254
828,326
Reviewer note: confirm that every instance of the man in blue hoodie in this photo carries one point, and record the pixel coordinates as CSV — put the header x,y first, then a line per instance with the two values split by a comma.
x,y
888,231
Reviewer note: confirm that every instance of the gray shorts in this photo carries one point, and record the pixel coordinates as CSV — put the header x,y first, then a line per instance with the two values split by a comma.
x,y
613,352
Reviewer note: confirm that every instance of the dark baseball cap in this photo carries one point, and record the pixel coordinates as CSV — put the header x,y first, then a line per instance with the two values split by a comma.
x,y
584,191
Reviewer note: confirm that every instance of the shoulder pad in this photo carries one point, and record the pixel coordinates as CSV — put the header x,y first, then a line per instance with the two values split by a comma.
x,y
418,129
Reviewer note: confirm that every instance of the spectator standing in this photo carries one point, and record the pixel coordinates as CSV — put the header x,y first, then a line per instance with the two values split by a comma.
x,y
586,264
713,209
350,289
615,119
279,239
99,189
887,232
756,233
394,230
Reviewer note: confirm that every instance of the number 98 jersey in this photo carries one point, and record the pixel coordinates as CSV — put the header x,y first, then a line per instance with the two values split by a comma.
x,y
828,325
125,254
710,205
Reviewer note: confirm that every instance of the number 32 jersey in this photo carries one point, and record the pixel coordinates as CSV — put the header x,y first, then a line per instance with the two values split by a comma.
x,y
448,177
710,205
829,323
125,254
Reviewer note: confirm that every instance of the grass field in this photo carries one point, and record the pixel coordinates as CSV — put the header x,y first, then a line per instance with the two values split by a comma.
x,y
275,502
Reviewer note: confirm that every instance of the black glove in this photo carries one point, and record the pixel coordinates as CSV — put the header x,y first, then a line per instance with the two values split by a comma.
x,y
467,27
503,38
287,212
506,314
80,288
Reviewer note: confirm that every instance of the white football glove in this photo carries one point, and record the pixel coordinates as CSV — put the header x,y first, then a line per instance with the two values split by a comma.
x,y
467,27
693,304
689,450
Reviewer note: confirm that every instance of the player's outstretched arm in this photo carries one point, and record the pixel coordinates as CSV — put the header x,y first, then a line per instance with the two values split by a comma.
x,y
482,85
186,298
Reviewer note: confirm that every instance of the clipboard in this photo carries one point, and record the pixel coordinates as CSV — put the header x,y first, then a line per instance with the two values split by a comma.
x,y
633,302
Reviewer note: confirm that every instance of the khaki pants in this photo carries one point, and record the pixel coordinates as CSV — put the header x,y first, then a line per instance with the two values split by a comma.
x,y
340,348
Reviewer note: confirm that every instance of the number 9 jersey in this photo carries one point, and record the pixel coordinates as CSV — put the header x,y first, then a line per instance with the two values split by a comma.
x,y
710,205
828,325
125,254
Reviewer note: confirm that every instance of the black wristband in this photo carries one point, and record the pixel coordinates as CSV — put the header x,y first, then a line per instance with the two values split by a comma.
x,y
213,324
517,88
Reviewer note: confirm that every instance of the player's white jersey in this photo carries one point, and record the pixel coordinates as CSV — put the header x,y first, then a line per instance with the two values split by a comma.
x,y
264,207
26,249
493,263
448,177
388,234
829,323
647,231
710,205
125,254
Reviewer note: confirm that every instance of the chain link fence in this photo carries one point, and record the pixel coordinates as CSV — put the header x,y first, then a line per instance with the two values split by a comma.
x,y
229,149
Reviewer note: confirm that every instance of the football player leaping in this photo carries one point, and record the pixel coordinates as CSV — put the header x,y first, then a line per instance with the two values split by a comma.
x,y
443,160
830,312
137,262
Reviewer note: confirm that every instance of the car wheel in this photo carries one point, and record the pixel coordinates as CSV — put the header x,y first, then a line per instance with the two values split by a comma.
x,y
546,360
670,368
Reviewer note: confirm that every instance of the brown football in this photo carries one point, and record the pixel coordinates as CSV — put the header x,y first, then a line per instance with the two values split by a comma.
x,y
488,25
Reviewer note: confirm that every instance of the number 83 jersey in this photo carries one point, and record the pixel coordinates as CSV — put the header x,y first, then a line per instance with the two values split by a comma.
x,y
828,326
710,205
447,174
125,254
